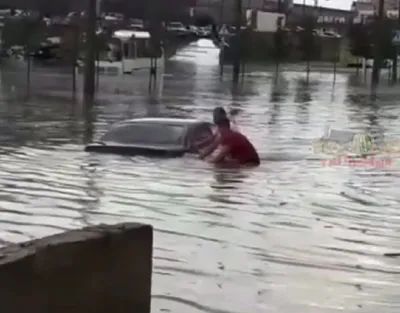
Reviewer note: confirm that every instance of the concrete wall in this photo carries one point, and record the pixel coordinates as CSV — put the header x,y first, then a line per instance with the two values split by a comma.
x,y
101,269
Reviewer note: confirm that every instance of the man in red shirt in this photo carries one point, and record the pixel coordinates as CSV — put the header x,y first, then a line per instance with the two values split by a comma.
x,y
234,147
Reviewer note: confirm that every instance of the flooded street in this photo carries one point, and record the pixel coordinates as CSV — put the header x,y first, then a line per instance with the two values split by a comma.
x,y
290,236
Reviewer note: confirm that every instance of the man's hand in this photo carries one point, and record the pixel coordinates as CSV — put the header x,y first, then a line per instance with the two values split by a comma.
x,y
204,141
219,157
210,148
201,155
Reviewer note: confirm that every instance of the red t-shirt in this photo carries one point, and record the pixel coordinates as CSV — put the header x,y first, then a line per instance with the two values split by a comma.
x,y
241,149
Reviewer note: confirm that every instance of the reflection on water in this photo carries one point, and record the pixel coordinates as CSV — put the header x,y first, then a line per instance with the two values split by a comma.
x,y
202,52
289,236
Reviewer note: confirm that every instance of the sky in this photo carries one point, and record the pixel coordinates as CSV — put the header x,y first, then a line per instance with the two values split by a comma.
x,y
337,4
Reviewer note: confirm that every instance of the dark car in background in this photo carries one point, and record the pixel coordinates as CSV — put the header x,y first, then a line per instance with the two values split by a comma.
x,y
177,28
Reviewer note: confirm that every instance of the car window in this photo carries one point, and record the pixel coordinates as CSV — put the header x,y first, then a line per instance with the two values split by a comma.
x,y
199,133
146,134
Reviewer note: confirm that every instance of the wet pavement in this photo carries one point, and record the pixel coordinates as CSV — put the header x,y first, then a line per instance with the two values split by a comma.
x,y
289,236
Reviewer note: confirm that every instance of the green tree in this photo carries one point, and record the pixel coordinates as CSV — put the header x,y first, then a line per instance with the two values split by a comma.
x,y
364,37
23,32
360,36
388,28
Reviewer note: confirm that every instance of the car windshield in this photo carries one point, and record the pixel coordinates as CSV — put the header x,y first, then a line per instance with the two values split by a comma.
x,y
152,134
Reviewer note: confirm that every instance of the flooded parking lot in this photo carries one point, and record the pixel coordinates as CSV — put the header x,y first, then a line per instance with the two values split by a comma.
x,y
289,236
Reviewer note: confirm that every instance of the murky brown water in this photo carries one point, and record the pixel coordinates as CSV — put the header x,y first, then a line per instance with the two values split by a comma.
x,y
289,236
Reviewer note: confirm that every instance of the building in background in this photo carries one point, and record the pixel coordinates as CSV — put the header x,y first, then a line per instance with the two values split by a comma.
x,y
389,5
365,9
224,11
168,9
327,19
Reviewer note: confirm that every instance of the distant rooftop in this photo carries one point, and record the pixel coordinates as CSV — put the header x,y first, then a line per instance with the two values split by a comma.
x,y
362,6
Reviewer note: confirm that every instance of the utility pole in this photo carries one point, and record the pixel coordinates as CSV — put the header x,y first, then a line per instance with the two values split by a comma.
x,y
237,46
278,39
91,44
98,7
396,48
378,44
221,12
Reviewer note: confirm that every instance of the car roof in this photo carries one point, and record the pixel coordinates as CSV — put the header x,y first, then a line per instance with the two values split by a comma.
x,y
162,120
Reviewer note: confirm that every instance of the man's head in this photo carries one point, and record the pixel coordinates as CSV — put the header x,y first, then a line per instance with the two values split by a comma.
x,y
224,123
219,114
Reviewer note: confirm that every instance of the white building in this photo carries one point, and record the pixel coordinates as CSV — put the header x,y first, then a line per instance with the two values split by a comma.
x,y
367,8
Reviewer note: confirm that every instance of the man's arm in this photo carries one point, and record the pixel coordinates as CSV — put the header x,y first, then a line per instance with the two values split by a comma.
x,y
210,149
205,142
221,155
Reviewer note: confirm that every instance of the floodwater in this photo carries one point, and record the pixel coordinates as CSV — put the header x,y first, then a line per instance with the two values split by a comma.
x,y
289,236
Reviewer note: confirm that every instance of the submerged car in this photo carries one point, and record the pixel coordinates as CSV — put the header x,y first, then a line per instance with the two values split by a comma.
x,y
170,137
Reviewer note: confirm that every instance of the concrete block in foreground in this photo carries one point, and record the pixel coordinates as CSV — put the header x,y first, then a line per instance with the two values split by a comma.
x,y
92,270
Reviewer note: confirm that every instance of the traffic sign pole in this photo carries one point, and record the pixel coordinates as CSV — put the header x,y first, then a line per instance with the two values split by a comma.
x,y
394,64
395,43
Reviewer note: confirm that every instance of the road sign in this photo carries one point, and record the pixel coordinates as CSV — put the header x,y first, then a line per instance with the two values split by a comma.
x,y
224,30
396,37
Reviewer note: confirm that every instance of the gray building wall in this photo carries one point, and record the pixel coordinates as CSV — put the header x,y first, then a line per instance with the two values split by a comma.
x,y
326,17
224,11
132,8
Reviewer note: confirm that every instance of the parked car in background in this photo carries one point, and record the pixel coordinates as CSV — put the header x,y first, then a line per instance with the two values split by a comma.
x,y
73,16
204,31
137,24
193,30
116,15
326,33
201,32
177,28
